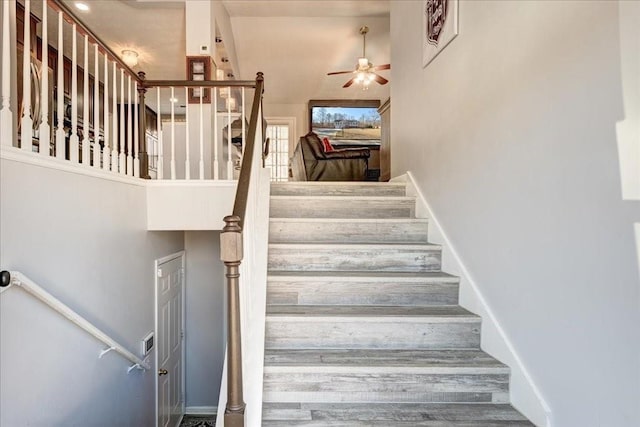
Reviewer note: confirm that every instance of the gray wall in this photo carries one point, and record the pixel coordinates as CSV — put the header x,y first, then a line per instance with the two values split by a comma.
x,y
511,135
205,317
84,240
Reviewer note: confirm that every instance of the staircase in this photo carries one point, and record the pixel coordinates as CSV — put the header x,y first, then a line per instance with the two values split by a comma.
x,y
362,327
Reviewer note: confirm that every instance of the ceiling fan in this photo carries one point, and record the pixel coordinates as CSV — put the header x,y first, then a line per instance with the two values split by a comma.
x,y
364,72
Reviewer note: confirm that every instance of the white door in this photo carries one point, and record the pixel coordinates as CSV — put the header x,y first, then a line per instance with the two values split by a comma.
x,y
169,318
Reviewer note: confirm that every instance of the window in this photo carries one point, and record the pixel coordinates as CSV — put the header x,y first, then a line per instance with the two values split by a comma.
x,y
346,121
278,158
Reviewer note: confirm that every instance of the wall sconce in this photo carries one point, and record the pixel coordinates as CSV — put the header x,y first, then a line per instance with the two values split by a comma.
x,y
130,57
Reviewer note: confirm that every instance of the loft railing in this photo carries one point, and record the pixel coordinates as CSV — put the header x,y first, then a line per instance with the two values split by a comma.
x,y
9,279
67,95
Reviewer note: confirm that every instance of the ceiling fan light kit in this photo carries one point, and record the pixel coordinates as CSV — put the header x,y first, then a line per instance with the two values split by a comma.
x,y
364,72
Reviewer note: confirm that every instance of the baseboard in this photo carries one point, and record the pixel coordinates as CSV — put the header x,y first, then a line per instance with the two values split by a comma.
x,y
524,393
201,410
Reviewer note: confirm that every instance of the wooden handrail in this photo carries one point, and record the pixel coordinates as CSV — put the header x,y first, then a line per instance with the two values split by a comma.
x,y
200,83
231,253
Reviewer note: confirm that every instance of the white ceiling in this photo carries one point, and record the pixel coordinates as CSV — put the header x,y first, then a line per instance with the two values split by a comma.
x,y
294,42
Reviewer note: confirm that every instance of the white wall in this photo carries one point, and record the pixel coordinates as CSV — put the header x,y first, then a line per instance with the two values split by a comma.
x,y
84,240
511,135
205,317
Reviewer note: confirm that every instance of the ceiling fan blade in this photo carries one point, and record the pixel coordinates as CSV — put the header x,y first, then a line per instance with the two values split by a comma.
x,y
380,79
382,67
349,83
339,72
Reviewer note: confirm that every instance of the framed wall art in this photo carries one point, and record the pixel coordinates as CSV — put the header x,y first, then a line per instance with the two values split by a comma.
x,y
439,27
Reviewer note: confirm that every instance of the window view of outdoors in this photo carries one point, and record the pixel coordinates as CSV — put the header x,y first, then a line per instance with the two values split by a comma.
x,y
346,124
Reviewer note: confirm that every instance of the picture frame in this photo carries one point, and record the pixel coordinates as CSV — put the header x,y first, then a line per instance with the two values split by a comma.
x,y
439,27
199,69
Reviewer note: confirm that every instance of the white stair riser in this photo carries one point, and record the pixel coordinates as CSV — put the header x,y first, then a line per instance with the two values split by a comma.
x,y
291,332
382,387
365,258
339,207
305,292
335,231
338,189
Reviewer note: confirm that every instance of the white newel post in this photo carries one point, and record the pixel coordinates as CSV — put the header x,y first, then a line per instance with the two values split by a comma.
x,y
61,145
6,115
26,122
96,107
129,129
115,160
86,143
160,166
106,149
216,173
136,134
44,131
74,141
122,160
173,134
187,162
201,163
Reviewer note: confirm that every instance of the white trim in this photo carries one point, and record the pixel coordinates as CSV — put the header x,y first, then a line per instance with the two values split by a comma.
x,y
157,263
505,347
201,410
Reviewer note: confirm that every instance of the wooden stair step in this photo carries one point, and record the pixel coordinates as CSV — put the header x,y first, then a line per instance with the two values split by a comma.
x,y
338,189
431,327
316,414
337,230
350,257
362,288
342,207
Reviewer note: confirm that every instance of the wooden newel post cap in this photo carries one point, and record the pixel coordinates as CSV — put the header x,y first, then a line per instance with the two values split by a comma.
x,y
231,240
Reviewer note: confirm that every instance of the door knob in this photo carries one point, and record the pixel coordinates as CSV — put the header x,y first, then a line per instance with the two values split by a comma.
x,y
162,372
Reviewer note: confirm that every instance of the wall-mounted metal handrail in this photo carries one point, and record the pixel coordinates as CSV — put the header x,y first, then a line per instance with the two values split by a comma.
x,y
14,278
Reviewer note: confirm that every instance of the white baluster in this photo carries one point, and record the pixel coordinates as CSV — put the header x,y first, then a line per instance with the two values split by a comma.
x,y
173,135
160,166
187,163
122,159
61,145
229,146
215,133
201,164
136,133
26,123
115,160
106,149
6,115
96,107
86,143
74,141
44,133
242,116
129,129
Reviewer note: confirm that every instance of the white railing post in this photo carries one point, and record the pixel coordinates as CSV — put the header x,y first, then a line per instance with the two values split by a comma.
x,y
61,145
115,160
216,165
86,143
44,131
229,146
136,134
122,159
6,115
187,162
160,165
96,107
106,149
26,122
201,163
129,129
173,134
74,141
